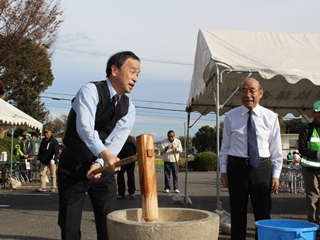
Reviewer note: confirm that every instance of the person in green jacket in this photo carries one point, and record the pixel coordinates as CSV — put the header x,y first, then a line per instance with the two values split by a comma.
x,y
289,157
309,148
25,149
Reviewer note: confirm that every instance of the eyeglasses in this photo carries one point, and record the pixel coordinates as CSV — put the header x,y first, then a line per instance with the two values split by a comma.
x,y
251,90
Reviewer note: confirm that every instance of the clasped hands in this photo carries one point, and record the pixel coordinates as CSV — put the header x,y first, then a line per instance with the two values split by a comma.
x,y
171,147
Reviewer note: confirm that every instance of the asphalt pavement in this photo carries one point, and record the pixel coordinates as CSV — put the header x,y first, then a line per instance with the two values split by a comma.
x,y
29,215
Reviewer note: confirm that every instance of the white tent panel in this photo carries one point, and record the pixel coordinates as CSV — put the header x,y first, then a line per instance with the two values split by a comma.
x,y
10,115
287,65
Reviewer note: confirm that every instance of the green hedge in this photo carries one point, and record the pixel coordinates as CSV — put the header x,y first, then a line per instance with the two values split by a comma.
x,y
205,161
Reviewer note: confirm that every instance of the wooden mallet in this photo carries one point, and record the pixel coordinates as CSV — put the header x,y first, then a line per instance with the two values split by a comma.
x,y
147,175
120,163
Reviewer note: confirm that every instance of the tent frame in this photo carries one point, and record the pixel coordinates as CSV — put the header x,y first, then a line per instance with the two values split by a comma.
x,y
219,79
11,150
11,118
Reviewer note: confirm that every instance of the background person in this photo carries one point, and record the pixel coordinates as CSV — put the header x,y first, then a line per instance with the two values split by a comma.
x,y
25,150
99,122
129,149
289,157
296,158
309,148
48,156
25,146
171,148
237,173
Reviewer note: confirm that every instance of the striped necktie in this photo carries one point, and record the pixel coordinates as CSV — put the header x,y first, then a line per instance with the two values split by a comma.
x,y
113,105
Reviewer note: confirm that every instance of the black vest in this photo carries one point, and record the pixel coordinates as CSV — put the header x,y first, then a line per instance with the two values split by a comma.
x,y
104,124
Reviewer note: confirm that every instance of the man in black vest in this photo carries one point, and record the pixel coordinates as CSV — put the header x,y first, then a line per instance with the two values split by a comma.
x,y
99,122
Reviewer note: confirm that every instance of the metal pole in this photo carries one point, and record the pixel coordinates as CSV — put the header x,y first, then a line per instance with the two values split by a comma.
x,y
217,138
11,149
186,151
185,144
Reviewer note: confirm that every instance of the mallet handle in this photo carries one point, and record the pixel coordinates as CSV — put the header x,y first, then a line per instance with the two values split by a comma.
x,y
120,163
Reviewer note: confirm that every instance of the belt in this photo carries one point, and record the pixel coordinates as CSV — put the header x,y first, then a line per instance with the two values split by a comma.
x,y
246,161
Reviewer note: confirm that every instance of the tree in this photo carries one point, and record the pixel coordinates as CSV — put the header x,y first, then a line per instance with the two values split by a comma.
x,y
282,125
182,140
38,21
58,124
25,77
294,125
28,29
205,139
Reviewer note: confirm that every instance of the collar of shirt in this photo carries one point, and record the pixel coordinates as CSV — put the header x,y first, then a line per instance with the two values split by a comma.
x,y
112,90
256,110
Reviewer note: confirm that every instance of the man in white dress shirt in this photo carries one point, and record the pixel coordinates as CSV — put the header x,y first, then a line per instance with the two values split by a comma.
x,y
237,171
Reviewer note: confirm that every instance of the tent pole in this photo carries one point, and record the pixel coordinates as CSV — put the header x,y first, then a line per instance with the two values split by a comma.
x,y
219,81
219,207
11,153
186,153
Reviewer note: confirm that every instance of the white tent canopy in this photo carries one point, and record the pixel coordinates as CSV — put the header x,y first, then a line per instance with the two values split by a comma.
x,y
10,115
287,64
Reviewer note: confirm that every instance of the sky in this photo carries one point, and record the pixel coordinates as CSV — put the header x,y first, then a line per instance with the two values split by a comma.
x,y
163,34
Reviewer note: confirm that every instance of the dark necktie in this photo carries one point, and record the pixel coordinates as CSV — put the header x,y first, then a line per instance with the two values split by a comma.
x,y
253,151
113,105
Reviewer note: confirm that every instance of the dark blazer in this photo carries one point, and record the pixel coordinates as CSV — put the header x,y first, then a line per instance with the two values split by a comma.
x,y
49,149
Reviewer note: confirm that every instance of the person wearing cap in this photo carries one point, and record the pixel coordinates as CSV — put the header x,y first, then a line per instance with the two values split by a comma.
x,y
309,148
289,157
48,156
25,149
25,146
296,158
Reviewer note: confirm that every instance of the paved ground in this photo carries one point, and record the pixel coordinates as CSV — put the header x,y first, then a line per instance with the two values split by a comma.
x,y
26,214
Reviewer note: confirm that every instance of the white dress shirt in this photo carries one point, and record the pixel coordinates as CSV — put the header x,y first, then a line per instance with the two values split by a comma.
x,y
234,140
169,155
85,106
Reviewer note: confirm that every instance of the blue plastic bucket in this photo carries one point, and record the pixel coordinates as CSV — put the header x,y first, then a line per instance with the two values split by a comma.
x,y
280,229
